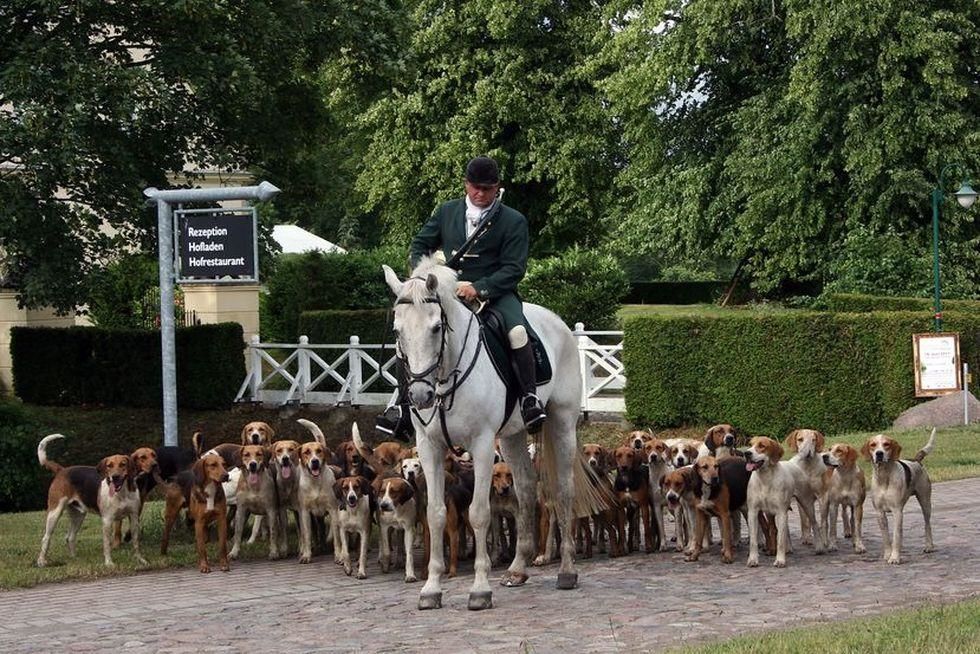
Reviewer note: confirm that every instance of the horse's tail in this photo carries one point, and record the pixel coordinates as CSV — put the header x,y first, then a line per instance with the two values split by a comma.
x,y
589,497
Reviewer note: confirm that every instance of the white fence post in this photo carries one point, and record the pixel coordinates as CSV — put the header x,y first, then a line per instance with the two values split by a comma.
x,y
585,370
255,357
354,370
303,368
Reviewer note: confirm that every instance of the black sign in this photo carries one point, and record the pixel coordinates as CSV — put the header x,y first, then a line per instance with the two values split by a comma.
x,y
217,245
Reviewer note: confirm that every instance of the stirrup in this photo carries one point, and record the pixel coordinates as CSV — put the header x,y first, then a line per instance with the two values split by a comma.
x,y
533,413
395,423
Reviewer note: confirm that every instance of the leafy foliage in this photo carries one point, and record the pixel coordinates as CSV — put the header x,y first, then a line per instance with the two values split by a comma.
x,y
773,130
509,78
579,285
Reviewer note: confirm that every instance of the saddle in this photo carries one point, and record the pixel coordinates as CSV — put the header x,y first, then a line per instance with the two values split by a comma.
x,y
498,345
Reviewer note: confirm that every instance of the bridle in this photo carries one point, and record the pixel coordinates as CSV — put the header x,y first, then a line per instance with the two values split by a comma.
x,y
454,378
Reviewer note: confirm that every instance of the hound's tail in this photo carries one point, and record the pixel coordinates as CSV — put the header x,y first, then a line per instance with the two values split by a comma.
x,y
921,454
365,451
197,440
42,454
313,429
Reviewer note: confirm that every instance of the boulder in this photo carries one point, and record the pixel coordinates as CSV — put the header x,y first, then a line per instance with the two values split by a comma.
x,y
943,411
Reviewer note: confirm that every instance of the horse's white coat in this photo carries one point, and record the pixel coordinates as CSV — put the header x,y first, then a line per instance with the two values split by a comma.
x,y
476,413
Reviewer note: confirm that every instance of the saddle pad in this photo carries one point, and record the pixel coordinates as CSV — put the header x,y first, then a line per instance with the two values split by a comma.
x,y
498,346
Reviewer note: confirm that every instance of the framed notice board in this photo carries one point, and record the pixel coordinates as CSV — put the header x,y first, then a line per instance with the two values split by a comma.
x,y
937,363
216,245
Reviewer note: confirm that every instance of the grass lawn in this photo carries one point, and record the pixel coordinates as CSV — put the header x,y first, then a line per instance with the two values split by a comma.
x,y
943,629
20,541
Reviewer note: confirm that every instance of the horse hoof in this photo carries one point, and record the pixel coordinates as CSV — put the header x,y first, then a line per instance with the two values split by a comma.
x,y
480,601
430,601
513,579
567,580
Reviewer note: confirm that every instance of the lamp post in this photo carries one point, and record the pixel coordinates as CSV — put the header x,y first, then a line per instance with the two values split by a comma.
x,y
965,196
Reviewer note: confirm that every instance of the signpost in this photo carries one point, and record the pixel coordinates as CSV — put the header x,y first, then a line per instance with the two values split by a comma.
x,y
937,363
217,245
165,232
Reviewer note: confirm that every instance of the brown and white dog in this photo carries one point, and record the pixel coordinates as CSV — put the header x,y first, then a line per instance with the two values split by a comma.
x,y
893,481
637,439
657,468
808,445
682,451
632,487
846,488
503,511
253,433
678,487
200,490
609,523
108,489
773,485
256,494
722,492
357,506
396,511
315,495
285,466
719,441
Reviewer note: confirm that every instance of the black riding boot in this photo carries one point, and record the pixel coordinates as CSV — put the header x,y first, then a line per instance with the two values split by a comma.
x,y
396,421
522,361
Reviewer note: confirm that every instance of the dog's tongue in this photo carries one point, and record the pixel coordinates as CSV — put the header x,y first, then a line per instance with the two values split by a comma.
x,y
316,472
287,472
253,478
751,466
112,489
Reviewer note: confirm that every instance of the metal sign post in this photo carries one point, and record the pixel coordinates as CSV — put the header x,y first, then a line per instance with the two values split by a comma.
x,y
165,236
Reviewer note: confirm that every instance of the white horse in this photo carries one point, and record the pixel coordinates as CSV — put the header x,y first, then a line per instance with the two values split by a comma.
x,y
450,371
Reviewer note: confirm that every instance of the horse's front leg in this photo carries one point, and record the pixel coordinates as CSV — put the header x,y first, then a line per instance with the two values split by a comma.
x,y
481,597
431,458
525,485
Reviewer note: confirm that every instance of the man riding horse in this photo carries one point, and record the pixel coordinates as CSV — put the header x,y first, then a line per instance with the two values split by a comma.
x,y
490,268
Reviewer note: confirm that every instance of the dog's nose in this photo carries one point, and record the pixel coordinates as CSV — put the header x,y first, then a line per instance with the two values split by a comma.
x,y
593,463
879,456
729,440
224,477
315,464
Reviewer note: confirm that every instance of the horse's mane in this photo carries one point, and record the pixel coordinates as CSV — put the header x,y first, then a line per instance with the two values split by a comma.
x,y
415,289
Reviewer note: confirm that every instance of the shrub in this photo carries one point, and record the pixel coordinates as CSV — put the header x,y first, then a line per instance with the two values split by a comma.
x,y
339,326
93,365
319,281
119,288
578,285
23,483
857,303
769,374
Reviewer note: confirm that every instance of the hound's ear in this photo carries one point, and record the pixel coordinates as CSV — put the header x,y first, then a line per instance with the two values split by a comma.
x,y
198,471
244,435
660,482
431,283
365,486
130,473
866,449
608,458
896,450
102,466
272,432
777,451
392,280
821,440
850,456
790,440
709,442
407,492
338,489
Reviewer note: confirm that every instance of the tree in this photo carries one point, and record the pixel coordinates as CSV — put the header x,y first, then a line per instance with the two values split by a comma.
x,y
101,99
508,78
770,131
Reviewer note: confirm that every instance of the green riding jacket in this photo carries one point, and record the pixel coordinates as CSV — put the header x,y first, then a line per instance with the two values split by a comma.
x,y
495,264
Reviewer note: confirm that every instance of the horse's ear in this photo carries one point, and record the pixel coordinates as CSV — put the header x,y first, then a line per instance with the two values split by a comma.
x,y
431,283
391,278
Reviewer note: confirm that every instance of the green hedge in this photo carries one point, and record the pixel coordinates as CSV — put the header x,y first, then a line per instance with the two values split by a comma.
x,y
857,303
578,285
675,292
92,365
23,483
317,281
768,374
338,326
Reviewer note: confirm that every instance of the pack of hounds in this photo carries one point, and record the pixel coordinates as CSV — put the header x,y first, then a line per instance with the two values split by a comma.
x,y
338,496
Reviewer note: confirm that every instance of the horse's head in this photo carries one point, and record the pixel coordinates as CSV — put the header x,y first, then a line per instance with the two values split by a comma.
x,y
423,303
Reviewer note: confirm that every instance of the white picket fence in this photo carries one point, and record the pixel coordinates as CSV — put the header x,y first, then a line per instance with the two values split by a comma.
x,y
352,373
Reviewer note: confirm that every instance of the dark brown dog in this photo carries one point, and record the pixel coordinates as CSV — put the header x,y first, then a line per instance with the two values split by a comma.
x,y
721,493
200,491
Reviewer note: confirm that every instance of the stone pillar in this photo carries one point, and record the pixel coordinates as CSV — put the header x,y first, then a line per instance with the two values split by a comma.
x,y
13,316
214,303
